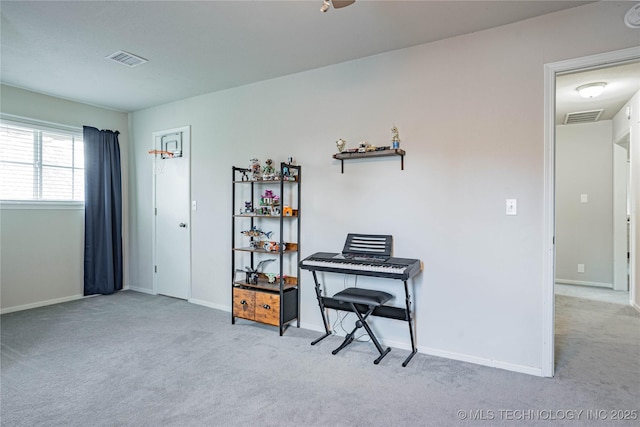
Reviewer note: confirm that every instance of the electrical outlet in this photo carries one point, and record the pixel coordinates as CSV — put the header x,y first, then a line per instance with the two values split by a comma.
x,y
580,268
584,198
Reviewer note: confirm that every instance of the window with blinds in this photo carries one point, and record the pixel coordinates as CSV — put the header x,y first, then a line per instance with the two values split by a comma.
x,y
38,163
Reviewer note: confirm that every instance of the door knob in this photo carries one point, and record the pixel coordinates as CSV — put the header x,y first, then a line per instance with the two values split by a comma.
x,y
183,225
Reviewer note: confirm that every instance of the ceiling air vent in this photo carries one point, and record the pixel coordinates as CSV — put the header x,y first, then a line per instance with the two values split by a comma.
x,y
583,117
126,58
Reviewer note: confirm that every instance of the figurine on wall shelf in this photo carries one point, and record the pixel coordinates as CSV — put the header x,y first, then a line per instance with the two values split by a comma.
x,y
256,232
268,172
271,277
256,171
248,208
396,137
365,147
269,203
252,274
274,246
341,143
268,198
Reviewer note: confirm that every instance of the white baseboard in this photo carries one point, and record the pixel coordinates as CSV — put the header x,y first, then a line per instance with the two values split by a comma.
x,y
41,303
143,290
210,305
448,355
635,306
585,283
482,361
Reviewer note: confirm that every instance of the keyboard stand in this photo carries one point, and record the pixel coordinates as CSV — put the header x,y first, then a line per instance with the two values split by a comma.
x,y
380,311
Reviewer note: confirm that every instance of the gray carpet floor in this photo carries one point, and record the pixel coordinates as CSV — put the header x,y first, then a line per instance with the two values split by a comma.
x,y
132,359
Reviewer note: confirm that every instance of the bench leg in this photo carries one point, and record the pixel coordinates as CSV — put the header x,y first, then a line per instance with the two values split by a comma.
x,y
383,352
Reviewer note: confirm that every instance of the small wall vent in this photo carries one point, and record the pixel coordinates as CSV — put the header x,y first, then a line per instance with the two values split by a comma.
x,y
583,117
126,58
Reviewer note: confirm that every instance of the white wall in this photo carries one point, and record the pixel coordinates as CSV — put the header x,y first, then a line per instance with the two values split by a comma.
x,y
42,249
584,231
470,114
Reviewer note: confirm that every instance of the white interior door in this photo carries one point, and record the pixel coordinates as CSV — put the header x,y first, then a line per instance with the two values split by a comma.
x,y
172,230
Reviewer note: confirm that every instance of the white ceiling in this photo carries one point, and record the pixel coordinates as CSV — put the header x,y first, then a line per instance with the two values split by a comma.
x,y
197,47
623,81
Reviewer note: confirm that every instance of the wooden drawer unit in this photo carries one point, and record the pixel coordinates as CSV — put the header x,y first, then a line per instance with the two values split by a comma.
x,y
244,303
264,307
267,308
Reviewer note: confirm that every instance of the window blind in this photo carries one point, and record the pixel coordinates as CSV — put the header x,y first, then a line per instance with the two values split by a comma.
x,y
40,163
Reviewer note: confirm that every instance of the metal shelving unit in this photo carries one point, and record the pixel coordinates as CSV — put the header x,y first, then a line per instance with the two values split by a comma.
x,y
256,298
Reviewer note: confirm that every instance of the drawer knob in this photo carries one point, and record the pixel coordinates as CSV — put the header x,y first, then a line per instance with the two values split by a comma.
x,y
266,306
243,302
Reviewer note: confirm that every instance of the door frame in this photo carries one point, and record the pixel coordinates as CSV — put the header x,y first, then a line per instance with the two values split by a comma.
x,y
621,231
186,133
551,70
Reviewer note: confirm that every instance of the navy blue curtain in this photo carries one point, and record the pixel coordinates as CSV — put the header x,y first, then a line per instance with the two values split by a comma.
x,y
103,212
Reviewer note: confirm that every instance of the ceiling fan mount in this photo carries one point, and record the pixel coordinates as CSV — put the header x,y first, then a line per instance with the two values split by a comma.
x,y
337,4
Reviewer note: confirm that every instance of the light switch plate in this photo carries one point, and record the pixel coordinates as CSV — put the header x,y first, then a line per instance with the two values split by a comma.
x,y
512,206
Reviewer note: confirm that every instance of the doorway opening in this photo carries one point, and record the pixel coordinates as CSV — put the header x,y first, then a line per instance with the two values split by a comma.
x,y
585,219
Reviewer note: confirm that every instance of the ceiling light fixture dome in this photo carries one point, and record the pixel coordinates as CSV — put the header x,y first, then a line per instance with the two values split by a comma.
x,y
591,90
632,17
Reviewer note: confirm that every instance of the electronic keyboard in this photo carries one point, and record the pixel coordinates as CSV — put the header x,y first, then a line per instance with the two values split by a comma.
x,y
390,268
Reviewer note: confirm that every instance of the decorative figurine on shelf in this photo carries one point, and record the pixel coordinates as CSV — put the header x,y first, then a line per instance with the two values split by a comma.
x,y
396,137
256,171
271,277
252,274
273,246
364,146
248,207
287,211
341,143
268,172
256,232
267,202
267,197
244,174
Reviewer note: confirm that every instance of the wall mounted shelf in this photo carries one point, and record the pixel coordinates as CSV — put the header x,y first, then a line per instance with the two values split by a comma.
x,y
381,153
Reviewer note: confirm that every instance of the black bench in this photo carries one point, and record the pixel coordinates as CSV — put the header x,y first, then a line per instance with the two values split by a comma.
x,y
371,299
